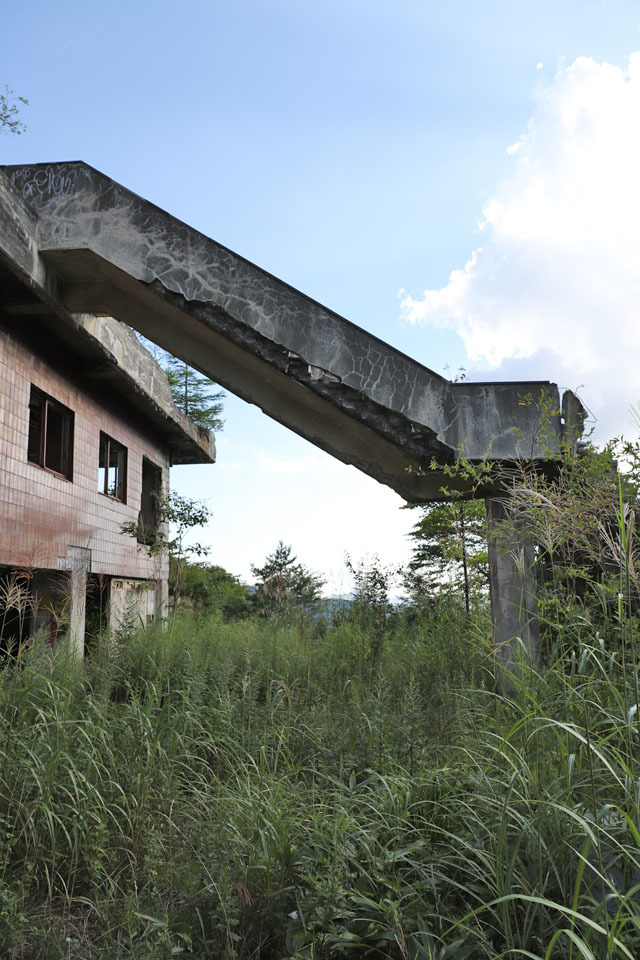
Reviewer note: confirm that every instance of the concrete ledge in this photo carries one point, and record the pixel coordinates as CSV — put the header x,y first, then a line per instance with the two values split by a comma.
x,y
31,289
323,377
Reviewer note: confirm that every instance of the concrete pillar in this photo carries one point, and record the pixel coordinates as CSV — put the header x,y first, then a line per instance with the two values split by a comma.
x,y
162,601
78,563
78,582
514,605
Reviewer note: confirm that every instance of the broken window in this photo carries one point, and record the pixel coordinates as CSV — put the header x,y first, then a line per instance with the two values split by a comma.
x,y
112,468
50,442
151,491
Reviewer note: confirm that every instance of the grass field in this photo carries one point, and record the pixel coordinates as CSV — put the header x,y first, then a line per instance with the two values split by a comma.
x,y
266,790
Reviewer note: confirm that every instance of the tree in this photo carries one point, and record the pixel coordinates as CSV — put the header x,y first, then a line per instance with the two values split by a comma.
x,y
371,605
372,583
195,394
450,544
283,585
180,515
9,110
209,588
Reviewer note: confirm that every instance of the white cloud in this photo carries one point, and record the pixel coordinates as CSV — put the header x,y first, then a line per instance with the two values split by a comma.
x,y
554,290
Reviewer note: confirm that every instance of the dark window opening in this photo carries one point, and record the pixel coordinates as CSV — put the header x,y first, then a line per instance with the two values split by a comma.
x,y
112,468
50,443
97,608
151,491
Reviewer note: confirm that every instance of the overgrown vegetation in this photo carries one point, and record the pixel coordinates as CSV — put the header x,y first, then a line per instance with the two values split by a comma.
x,y
284,586
449,546
279,788
208,588
198,397
193,393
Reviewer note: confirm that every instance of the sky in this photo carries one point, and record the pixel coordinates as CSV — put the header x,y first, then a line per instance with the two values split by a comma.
x,y
459,178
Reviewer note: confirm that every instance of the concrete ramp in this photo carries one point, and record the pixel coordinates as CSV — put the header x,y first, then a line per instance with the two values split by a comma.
x,y
90,246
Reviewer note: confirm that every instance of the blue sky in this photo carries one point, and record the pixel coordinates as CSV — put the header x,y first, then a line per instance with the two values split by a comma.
x,y
482,158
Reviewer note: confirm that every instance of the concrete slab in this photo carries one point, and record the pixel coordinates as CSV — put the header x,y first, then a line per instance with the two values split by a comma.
x,y
107,349
98,248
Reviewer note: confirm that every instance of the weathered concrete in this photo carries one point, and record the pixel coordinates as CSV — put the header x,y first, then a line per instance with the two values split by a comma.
x,y
100,249
87,247
106,349
514,607
78,563
124,358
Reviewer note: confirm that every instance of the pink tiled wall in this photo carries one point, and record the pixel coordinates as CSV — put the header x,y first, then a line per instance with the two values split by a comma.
x,y
41,514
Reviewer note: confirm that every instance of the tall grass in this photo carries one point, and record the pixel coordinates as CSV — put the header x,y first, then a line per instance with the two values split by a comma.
x,y
256,790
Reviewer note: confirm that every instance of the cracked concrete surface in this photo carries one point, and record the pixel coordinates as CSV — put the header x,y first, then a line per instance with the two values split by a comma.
x,y
103,249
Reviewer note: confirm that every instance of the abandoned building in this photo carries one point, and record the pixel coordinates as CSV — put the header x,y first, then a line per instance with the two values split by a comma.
x,y
88,431
76,246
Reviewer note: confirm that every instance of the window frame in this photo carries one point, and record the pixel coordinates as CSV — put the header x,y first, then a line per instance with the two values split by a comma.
x,y
148,524
44,439
109,444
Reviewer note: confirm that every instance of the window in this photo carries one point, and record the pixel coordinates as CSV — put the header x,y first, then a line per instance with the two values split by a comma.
x,y
151,490
112,468
50,442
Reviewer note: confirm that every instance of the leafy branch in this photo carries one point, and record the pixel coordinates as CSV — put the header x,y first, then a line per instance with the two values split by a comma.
x,y
10,110
181,513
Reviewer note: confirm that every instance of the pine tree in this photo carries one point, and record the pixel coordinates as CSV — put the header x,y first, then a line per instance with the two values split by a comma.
x,y
283,585
195,394
450,545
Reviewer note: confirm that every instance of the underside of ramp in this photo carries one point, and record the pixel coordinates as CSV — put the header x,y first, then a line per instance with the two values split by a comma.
x,y
83,244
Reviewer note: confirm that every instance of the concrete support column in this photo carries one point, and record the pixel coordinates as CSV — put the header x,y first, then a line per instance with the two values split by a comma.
x,y
78,582
514,604
78,563
162,601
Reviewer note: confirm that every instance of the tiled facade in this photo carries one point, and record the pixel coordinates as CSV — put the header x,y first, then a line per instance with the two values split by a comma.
x,y
77,369
43,514
46,520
